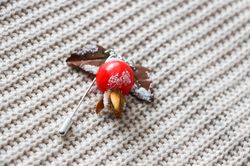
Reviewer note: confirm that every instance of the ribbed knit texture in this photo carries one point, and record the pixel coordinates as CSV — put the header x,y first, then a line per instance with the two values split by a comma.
x,y
199,53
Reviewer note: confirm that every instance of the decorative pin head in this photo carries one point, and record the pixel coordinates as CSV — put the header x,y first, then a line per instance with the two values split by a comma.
x,y
115,75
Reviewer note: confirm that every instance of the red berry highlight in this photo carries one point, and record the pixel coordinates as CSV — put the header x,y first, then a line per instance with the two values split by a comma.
x,y
115,75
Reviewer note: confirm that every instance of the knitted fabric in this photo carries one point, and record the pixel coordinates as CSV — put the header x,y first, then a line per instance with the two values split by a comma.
x,y
199,53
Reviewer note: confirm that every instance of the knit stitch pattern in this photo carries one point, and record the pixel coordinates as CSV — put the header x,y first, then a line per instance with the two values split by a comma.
x,y
199,53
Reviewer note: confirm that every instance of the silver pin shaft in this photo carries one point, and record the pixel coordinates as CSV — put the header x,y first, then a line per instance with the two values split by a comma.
x,y
68,121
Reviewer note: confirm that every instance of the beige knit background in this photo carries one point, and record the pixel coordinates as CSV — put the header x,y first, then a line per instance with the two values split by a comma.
x,y
199,52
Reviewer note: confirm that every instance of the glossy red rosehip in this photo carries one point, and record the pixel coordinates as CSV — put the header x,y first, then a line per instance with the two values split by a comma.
x,y
115,75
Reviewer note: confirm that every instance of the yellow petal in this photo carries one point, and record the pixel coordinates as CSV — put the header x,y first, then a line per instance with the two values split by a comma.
x,y
117,102
115,99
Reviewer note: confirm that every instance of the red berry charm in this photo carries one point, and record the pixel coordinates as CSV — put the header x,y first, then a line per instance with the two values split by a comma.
x,y
115,79
115,75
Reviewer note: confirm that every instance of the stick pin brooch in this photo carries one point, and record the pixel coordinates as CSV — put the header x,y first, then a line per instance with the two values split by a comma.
x,y
114,77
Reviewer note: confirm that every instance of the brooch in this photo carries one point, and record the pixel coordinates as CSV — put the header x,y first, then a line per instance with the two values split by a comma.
x,y
115,77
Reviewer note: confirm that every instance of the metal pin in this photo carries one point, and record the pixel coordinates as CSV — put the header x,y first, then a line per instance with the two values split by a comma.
x,y
68,121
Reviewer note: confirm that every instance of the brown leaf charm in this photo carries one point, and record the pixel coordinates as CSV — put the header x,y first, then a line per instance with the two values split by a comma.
x,y
88,58
91,57
99,106
141,88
